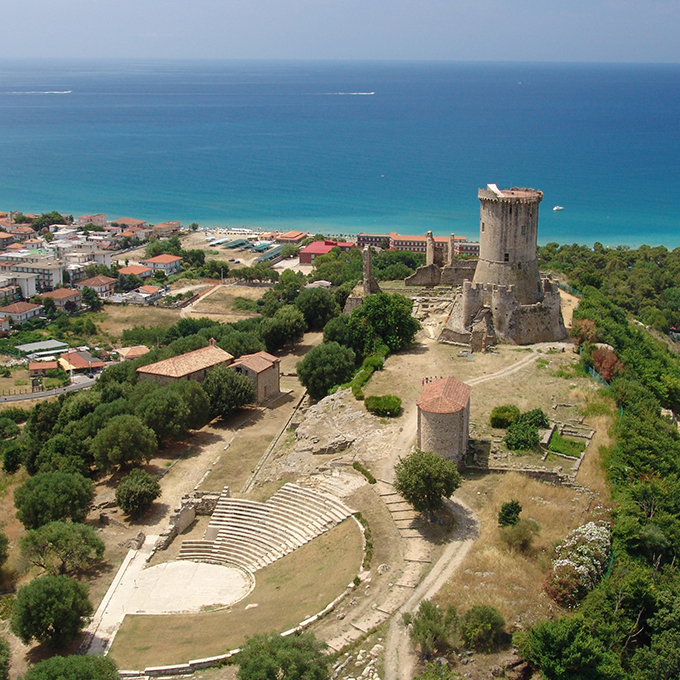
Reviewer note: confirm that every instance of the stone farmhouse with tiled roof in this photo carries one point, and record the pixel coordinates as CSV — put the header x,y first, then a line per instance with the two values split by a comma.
x,y
190,366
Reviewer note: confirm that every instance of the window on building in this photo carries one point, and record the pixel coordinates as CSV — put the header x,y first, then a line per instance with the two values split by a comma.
x,y
524,230
482,226
507,257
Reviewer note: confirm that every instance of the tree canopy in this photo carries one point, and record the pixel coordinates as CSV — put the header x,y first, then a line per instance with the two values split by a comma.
x,y
325,366
51,610
124,441
74,667
62,547
228,391
425,479
137,491
269,656
53,496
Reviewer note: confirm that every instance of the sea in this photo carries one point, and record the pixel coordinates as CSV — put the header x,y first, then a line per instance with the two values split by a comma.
x,y
345,147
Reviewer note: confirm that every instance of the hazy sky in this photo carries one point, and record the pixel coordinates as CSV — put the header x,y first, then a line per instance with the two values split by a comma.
x,y
495,30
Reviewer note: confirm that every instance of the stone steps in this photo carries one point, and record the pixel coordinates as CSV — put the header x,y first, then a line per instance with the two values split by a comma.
x,y
252,535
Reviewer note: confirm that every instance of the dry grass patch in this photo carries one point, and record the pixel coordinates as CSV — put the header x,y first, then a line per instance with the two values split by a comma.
x,y
114,319
494,574
286,592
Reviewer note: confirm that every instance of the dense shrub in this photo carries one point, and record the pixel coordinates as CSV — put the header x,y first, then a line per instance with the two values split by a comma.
x,y
137,491
387,406
522,436
432,628
536,417
579,564
324,367
509,513
18,415
482,627
503,416
366,473
520,536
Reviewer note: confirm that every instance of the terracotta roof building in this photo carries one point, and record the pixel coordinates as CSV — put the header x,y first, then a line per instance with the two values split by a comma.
x,y
444,418
130,222
170,264
102,285
21,311
263,370
36,368
79,360
294,237
129,353
309,253
190,366
136,270
62,296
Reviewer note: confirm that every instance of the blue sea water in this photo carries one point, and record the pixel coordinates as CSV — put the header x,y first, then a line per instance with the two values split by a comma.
x,y
343,147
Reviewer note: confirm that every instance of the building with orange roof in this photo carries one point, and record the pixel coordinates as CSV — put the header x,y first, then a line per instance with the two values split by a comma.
x,y
62,297
166,229
21,311
136,270
144,295
130,222
294,237
40,368
170,264
444,417
134,352
80,360
190,366
102,285
263,370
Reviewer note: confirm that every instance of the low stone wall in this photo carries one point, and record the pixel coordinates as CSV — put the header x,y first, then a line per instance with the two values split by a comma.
x,y
196,503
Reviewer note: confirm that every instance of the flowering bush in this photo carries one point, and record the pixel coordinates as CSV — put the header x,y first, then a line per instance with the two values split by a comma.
x,y
579,563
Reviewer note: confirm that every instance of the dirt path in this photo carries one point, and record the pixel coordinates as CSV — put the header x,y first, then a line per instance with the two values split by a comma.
x,y
399,658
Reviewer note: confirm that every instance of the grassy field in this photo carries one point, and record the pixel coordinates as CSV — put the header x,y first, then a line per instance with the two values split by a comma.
x,y
492,573
286,592
114,319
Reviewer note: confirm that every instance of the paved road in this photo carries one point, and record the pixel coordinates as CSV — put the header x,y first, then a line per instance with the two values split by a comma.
x,y
73,387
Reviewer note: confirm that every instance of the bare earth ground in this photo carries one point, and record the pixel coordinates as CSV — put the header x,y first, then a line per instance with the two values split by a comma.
x,y
218,303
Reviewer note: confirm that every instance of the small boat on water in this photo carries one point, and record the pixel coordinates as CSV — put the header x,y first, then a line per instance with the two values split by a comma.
x,y
558,207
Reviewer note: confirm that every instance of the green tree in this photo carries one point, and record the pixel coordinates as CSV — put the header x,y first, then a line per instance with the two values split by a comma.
x,y
325,366
425,479
137,491
482,627
385,319
269,656
195,400
432,628
239,343
509,513
165,412
91,299
228,391
286,326
5,658
123,442
522,436
12,455
62,547
8,428
565,649
51,610
49,308
74,667
53,496
193,226
504,416
318,306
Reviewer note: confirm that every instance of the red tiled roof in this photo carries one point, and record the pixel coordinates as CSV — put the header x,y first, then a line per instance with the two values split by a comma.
x,y
135,269
258,362
149,289
18,308
130,221
133,352
163,259
80,360
61,294
446,395
319,247
42,365
191,362
97,281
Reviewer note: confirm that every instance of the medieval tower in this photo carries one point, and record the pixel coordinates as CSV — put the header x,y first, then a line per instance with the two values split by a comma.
x,y
507,300
508,233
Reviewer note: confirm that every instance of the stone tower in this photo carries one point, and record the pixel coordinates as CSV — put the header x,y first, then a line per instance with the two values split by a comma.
x,y
507,300
508,233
